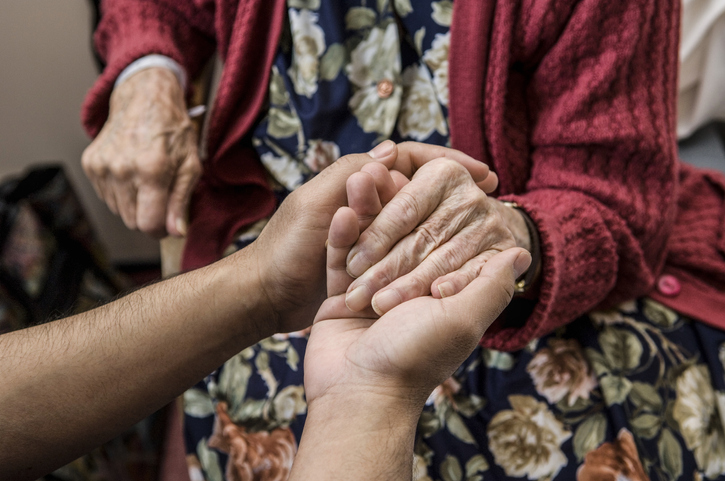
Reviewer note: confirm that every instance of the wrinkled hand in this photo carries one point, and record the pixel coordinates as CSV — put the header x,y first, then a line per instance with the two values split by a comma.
x,y
144,163
290,251
412,348
435,236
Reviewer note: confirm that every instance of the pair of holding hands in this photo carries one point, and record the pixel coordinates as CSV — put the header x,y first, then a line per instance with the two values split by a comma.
x,y
413,344
405,350
367,377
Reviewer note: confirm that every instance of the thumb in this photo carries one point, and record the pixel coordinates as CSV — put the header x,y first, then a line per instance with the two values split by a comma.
x,y
184,183
483,300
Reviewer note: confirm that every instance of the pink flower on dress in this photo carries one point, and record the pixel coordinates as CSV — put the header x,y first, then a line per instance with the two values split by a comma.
x,y
561,370
444,391
261,456
321,154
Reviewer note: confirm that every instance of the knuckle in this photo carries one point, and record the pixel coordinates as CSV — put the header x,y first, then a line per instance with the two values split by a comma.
x,y
92,163
373,244
405,206
148,225
427,238
350,160
380,277
472,270
121,170
154,169
416,284
474,202
450,166
195,169
443,264
87,158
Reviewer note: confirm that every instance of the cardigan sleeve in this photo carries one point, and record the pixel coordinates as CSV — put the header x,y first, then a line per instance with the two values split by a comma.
x,y
602,183
130,29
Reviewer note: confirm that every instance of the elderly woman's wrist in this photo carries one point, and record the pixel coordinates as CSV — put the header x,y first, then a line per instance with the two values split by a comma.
x,y
156,84
527,236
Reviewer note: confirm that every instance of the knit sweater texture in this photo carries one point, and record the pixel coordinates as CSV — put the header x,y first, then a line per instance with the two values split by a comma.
x,y
571,102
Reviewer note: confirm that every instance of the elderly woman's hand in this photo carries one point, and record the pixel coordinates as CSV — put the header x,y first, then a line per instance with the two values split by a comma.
x,y
144,163
434,236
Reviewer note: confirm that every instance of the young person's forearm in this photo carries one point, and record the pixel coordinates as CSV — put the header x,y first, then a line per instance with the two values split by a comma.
x,y
69,385
357,438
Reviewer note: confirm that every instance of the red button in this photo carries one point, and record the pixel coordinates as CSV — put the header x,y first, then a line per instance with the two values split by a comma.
x,y
668,285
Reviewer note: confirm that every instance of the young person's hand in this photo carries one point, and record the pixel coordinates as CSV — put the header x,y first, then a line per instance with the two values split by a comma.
x,y
367,378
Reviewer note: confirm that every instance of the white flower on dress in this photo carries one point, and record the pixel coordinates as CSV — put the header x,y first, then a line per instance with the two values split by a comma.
x,y
308,39
699,412
443,13
615,315
420,469
289,403
403,8
420,112
285,169
320,154
376,59
526,440
436,58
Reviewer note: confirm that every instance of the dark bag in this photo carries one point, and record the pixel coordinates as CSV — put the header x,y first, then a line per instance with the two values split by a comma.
x,y
51,264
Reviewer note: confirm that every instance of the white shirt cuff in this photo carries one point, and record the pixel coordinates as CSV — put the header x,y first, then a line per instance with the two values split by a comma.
x,y
150,61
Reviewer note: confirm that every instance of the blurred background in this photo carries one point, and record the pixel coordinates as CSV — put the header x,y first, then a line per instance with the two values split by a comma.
x,y
61,250
47,68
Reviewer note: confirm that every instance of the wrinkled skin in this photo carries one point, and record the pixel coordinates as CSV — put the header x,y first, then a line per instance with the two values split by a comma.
x,y
434,236
413,347
144,163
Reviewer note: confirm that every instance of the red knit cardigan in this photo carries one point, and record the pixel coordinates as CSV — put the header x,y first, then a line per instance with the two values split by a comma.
x,y
571,102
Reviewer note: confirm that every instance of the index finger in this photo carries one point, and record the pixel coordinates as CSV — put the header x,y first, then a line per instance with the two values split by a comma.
x,y
344,231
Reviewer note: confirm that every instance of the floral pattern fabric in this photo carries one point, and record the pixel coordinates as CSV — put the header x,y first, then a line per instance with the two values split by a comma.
x,y
635,393
350,74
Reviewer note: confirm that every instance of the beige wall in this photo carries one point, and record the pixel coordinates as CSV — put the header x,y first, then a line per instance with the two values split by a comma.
x,y
46,67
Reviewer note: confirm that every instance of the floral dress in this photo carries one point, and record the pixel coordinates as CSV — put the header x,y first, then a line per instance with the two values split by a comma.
x,y
634,393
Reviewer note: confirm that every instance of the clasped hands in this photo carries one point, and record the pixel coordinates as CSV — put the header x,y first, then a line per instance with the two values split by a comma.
x,y
427,228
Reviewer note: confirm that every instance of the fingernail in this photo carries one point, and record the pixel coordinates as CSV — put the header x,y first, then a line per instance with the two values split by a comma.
x,y
522,263
181,226
383,149
357,265
358,298
386,300
445,289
